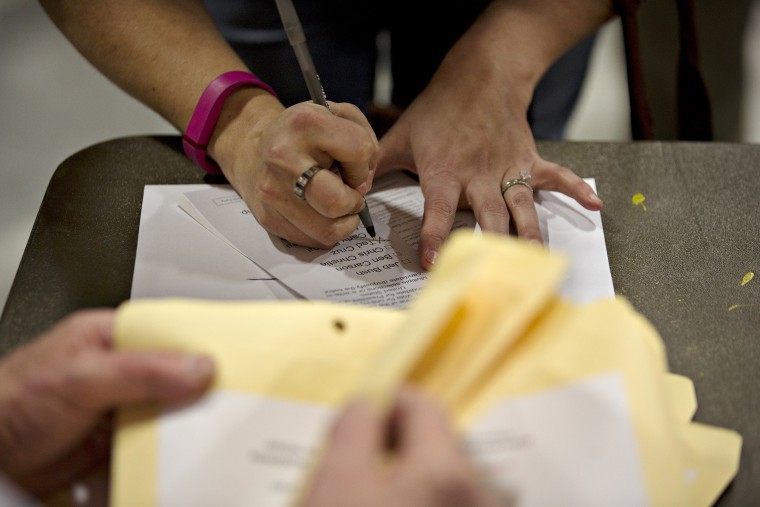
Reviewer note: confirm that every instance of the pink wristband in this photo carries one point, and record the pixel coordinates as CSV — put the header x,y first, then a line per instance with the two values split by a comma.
x,y
206,114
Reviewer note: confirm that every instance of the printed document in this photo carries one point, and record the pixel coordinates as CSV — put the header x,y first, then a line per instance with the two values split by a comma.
x,y
385,271
381,271
578,437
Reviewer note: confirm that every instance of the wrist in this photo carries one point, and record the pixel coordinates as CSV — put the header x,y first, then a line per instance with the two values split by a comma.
x,y
508,77
243,120
208,112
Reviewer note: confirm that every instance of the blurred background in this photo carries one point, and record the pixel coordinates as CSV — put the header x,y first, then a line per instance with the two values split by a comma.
x,y
53,103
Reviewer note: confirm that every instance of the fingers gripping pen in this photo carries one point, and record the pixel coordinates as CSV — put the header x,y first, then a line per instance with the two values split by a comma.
x,y
297,40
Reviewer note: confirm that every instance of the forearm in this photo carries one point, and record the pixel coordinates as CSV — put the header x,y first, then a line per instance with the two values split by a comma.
x,y
163,53
516,41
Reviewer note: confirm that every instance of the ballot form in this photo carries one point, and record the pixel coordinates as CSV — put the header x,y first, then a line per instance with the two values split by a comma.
x,y
202,241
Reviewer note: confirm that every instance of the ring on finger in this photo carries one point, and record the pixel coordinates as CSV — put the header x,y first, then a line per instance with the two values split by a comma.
x,y
299,188
522,180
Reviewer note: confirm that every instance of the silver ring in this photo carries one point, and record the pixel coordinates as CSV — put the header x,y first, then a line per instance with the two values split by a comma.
x,y
300,187
522,180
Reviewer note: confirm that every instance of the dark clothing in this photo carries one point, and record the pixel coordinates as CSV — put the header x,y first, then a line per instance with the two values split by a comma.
x,y
342,35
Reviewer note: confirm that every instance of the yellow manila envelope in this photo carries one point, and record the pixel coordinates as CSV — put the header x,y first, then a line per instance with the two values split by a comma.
x,y
484,293
681,463
543,391
310,353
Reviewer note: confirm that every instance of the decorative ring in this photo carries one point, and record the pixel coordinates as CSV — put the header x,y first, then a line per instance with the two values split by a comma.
x,y
522,180
300,187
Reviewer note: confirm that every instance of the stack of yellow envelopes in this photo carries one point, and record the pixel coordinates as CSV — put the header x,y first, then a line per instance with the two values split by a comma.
x,y
551,396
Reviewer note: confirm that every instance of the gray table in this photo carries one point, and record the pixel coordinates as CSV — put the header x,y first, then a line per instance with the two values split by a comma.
x,y
680,262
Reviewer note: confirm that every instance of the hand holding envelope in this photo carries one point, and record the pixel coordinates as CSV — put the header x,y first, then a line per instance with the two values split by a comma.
x,y
543,391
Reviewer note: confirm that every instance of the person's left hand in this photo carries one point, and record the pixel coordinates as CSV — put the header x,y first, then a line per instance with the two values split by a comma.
x,y
467,134
56,391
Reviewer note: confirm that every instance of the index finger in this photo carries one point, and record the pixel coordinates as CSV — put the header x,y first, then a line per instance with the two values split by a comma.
x,y
358,163
353,113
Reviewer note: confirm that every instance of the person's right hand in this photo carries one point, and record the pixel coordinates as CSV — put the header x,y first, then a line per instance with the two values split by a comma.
x,y
263,149
166,53
427,467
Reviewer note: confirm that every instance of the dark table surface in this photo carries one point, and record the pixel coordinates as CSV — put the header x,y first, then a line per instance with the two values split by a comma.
x,y
680,262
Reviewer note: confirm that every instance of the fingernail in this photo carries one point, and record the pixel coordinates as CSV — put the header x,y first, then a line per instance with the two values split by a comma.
x,y
199,368
594,198
431,256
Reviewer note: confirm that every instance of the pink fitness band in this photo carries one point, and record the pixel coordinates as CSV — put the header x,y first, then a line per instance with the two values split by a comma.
x,y
206,114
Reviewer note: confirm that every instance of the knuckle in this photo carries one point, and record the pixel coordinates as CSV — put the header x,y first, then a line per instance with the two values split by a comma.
x,y
337,230
327,238
334,207
275,151
580,186
367,148
521,199
562,170
136,370
42,386
76,318
303,118
439,208
68,385
496,209
267,191
563,173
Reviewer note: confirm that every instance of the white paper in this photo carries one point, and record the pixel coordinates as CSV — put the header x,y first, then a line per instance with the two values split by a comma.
x,y
177,258
237,449
573,445
565,225
397,200
361,270
569,228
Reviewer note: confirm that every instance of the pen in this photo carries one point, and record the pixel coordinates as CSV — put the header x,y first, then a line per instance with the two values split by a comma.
x,y
297,40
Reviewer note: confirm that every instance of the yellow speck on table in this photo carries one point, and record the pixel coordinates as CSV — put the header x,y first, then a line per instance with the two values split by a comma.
x,y
638,200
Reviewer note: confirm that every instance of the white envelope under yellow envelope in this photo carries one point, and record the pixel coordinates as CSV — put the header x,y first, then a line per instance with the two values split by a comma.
x,y
684,464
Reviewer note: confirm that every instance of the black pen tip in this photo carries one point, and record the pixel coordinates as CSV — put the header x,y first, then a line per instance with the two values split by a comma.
x,y
371,231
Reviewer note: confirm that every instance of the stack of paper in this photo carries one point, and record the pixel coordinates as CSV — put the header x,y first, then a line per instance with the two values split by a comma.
x,y
561,404
178,257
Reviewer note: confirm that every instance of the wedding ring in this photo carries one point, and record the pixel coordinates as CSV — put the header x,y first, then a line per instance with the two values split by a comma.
x,y
300,187
522,180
